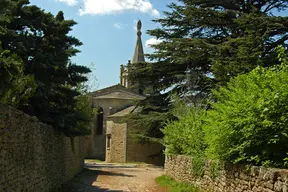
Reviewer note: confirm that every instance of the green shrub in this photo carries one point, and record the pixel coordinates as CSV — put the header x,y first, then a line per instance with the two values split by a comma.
x,y
249,121
185,136
198,166
215,167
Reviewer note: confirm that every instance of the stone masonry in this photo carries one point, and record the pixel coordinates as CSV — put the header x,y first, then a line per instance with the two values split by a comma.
x,y
116,152
231,178
33,156
123,147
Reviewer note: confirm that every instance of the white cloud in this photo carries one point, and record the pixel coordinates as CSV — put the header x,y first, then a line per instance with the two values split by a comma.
x,y
135,24
155,13
119,25
102,7
69,2
152,41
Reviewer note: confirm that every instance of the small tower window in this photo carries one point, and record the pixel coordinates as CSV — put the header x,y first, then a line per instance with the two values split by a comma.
x,y
99,124
108,141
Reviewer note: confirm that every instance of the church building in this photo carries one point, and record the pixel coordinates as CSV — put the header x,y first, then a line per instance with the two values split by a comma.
x,y
110,139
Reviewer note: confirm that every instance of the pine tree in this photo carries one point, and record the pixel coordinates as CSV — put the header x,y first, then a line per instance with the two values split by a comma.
x,y
15,87
42,42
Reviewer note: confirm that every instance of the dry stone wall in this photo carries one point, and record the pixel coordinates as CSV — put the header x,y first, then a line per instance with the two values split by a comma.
x,y
33,156
230,178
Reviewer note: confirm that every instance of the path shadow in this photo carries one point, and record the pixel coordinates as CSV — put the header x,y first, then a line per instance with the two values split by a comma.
x,y
100,172
83,182
100,166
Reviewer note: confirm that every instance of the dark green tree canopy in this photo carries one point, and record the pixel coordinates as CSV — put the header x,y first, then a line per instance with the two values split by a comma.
x,y
218,37
42,42
206,42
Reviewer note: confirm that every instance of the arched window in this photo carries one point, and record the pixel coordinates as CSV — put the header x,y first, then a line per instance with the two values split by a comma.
x,y
99,124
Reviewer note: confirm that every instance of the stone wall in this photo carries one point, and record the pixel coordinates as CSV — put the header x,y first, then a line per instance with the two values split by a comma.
x,y
118,132
150,153
124,148
230,178
33,156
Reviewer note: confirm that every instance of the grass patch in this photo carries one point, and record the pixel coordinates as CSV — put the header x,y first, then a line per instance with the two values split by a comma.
x,y
174,186
198,166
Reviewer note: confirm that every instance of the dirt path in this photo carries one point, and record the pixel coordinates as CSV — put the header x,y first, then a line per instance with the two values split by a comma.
x,y
116,178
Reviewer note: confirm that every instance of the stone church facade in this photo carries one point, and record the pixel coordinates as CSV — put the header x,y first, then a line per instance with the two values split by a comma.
x,y
110,139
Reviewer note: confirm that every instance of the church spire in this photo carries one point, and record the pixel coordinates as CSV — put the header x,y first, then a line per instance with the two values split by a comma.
x,y
138,53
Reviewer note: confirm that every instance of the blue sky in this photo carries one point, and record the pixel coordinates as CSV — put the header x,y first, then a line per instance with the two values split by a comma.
x,y
107,30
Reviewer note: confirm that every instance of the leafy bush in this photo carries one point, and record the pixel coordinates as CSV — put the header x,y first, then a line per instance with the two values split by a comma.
x,y
185,136
249,121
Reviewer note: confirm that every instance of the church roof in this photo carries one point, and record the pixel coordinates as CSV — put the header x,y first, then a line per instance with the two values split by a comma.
x,y
124,112
139,52
116,92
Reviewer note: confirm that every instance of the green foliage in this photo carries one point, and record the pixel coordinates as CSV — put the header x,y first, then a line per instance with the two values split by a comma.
x,y
248,123
86,112
146,125
44,83
254,45
145,128
185,136
198,166
15,87
232,37
174,186
205,43
215,167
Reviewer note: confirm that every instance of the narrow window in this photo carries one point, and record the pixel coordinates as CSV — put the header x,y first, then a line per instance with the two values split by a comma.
x,y
72,144
108,141
99,124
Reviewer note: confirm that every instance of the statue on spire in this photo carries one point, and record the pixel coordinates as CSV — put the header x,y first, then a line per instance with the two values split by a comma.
x,y
139,26
138,52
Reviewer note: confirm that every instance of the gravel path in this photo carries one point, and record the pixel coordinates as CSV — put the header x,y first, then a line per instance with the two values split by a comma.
x,y
116,178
